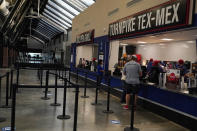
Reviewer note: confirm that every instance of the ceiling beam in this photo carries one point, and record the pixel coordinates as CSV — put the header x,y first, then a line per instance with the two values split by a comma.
x,y
38,39
83,3
58,4
56,18
51,25
54,21
59,15
50,5
41,33
39,27
73,6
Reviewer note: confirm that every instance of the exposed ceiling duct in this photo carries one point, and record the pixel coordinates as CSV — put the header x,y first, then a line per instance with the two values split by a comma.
x,y
3,11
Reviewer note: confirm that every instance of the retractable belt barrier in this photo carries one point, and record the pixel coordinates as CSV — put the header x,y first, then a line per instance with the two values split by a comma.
x,y
8,94
67,84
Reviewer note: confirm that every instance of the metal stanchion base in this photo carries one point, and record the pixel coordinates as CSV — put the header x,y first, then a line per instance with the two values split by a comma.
x,y
106,111
129,129
62,117
55,104
84,96
4,106
2,119
45,98
94,104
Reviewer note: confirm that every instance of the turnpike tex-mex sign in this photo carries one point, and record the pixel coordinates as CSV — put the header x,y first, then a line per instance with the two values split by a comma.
x,y
169,15
85,38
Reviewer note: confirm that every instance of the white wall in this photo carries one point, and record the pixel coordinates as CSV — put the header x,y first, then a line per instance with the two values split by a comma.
x,y
169,52
114,51
84,51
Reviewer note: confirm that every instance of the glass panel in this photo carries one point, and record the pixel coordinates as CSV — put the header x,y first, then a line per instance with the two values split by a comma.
x,y
61,9
88,2
77,4
56,22
68,7
62,16
56,17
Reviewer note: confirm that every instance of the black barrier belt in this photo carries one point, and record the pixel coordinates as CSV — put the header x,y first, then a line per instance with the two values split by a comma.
x,y
29,68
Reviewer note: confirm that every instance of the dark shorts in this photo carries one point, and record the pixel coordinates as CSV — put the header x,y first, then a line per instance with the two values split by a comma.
x,y
132,88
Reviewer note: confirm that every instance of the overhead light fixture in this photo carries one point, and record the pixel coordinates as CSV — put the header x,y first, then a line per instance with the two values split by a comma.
x,y
161,44
141,42
152,36
166,39
142,45
185,46
190,41
123,44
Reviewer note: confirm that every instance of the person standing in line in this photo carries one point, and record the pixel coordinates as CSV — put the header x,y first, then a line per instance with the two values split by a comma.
x,y
132,70
149,65
100,71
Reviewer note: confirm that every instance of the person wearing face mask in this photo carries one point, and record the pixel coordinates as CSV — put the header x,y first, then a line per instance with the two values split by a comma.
x,y
100,71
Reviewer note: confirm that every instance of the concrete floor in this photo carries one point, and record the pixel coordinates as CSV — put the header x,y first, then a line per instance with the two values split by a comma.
x,y
34,114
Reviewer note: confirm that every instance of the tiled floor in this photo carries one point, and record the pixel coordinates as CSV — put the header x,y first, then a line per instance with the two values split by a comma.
x,y
34,114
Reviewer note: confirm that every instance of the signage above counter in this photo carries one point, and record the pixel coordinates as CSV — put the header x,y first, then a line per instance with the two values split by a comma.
x,y
85,38
170,15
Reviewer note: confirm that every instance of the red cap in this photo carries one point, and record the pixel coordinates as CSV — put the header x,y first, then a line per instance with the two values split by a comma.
x,y
151,59
93,59
181,61
155,63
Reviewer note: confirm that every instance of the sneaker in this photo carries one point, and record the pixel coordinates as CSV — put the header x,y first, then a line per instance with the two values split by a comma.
x,y
123,104
126,107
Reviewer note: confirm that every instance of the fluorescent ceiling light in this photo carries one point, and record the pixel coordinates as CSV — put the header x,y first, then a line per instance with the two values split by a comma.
x,y
185,46
142,45
141,42
190,41
123,44
161,44
166,39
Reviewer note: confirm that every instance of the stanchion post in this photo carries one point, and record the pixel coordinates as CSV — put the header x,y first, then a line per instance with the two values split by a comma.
x,y
59,74
85,84
46,88
0,91
69,74
2,119
76,109
108,96
55,100
132,128
64,116
11,82
77,77
41,76
7,91
17,78
13,108
96,95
